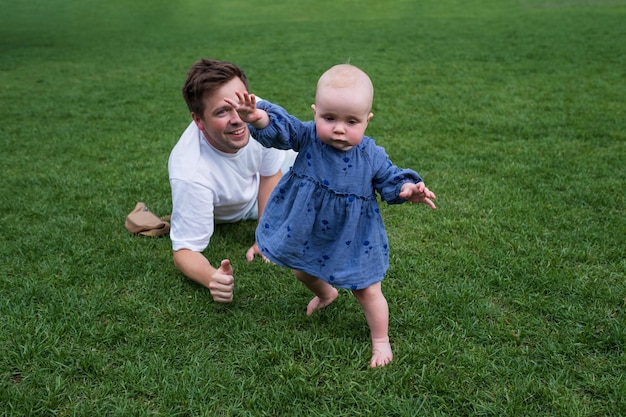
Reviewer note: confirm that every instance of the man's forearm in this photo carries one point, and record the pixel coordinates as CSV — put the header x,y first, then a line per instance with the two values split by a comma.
x,y
266,186
194,266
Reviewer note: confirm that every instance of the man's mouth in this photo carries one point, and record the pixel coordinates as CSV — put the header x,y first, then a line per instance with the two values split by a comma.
x,y
238,132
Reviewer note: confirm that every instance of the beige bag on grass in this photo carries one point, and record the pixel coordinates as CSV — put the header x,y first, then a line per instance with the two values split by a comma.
x,y
144,222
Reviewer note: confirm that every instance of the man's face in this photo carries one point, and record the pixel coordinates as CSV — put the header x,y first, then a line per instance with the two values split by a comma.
x,y
220,123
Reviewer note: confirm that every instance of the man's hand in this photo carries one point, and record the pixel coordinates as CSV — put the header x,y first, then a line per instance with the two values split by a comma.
x,y
222,283
254,251
245,106
418,193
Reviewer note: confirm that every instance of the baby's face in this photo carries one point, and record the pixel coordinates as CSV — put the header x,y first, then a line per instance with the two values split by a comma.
x,y
341,115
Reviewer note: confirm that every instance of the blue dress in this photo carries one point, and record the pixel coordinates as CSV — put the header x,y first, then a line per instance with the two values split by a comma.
x,y
323,217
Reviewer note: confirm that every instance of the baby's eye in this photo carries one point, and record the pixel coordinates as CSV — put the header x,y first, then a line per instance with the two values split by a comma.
x,y
353,122
329,118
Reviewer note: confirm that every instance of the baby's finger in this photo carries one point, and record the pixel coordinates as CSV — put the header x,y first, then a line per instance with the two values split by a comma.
x,y
240,96
230,102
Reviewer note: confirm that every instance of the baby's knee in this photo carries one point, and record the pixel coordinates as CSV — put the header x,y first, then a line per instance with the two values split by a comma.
x,y
373,291
304,277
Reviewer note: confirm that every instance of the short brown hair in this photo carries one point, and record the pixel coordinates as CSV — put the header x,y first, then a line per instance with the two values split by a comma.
x,y
206,76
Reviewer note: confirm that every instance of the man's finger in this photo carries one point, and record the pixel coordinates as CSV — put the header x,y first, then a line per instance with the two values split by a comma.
x,y
223,299
250,254
226,267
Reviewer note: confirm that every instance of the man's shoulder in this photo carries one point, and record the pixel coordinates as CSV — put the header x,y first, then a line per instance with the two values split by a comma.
x,y
186,153
188,138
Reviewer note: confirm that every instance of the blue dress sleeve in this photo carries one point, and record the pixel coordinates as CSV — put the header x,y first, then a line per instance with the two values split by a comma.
x,y
389,179
284,131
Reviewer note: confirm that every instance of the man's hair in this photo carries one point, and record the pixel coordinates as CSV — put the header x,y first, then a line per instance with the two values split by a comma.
x,y
206,76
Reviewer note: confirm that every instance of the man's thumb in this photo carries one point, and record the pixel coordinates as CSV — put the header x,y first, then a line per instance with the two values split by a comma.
x,y
226,267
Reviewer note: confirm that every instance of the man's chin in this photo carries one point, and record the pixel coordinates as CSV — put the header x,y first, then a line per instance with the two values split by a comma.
x,y
237,144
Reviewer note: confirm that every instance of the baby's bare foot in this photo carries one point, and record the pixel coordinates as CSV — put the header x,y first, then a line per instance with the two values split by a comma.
x,y
381,353
318,303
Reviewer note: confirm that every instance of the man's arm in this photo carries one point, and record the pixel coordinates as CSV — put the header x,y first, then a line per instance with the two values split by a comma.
x,y
196,267
266,185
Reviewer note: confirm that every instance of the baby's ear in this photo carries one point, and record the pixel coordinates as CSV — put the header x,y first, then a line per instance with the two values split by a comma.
x,y
369,117
313,108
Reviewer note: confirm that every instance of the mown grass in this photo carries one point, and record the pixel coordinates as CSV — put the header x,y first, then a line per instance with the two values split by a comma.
x,y
508,300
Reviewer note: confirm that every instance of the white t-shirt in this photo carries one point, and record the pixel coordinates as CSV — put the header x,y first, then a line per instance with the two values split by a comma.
x,y
210,186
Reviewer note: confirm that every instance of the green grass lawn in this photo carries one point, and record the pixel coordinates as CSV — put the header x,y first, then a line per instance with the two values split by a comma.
x,y
509,300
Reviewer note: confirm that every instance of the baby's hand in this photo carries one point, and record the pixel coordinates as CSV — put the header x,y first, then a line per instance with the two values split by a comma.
x,y
246,107
418,193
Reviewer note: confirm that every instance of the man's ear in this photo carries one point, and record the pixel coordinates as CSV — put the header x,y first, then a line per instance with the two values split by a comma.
x,y
197,120
369,117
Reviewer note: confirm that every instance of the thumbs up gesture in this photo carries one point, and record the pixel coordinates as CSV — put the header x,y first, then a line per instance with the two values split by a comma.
x,y
222,283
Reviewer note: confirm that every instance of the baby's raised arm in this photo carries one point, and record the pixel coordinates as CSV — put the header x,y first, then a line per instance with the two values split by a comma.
x,y
245,106
418,193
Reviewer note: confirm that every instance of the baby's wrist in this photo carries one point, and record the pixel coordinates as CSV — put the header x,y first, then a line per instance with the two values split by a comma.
x,y
261,119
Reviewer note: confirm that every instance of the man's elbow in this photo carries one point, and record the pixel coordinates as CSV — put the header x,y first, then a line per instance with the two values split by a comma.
x,y
178,256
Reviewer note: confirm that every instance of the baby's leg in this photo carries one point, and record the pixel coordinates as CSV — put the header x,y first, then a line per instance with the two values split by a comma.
x,y
325,293
377,315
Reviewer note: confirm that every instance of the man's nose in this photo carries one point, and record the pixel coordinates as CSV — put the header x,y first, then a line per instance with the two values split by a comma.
x,y
234,117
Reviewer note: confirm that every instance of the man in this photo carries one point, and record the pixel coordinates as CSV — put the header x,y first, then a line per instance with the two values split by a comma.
x,y
217,174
